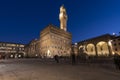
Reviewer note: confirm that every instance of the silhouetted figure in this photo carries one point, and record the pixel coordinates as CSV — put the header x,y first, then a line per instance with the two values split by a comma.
x,y
73,59
56,58
0,56
117,61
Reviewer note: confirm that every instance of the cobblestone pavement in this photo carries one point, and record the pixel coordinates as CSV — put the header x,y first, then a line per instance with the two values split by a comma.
x,y
38,69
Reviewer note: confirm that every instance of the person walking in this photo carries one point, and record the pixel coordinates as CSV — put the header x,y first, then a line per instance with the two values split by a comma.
x,y
117,61
73,59
56,58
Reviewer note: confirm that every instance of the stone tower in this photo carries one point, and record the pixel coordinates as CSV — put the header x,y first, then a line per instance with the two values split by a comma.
x,y
63,18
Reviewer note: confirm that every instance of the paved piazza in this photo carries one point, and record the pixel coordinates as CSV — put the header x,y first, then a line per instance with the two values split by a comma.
x,y
39,69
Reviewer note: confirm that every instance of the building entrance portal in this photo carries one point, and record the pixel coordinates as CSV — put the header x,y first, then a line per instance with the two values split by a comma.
x,y
90,50
102,48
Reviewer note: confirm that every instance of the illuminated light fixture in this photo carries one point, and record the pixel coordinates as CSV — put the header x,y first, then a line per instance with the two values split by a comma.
x,y
19,56
36,55
11,56
114,33
75,43
48,53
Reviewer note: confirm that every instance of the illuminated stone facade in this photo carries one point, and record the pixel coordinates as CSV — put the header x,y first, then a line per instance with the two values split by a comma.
x,y
11,50
55,41
98,46
63,18
31,49
116,44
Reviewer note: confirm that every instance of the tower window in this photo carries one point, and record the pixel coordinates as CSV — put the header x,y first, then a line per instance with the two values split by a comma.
x,y
115,49
119,43
115,44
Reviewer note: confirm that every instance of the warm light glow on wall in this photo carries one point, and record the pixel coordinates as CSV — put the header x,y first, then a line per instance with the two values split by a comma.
x,y
48,53
110,42
91,49
102,48
80,46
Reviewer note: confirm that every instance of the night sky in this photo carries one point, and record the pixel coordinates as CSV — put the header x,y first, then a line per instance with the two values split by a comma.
x,y
22,20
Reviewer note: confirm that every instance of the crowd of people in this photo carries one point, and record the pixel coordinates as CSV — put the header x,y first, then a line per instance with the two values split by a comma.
x,y
74,60
86,59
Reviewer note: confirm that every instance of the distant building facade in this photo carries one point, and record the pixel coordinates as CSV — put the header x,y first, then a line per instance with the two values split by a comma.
x,y
31,49
116,44
11,50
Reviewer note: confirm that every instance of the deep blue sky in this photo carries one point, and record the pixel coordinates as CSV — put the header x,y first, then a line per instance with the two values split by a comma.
x,y
22,20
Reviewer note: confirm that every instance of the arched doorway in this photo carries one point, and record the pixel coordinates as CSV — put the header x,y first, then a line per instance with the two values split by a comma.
x,y
81,49
91,49
102,48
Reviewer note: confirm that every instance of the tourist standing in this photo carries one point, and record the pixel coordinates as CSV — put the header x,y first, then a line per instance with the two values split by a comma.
x,y
73,58
56,58
117,61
